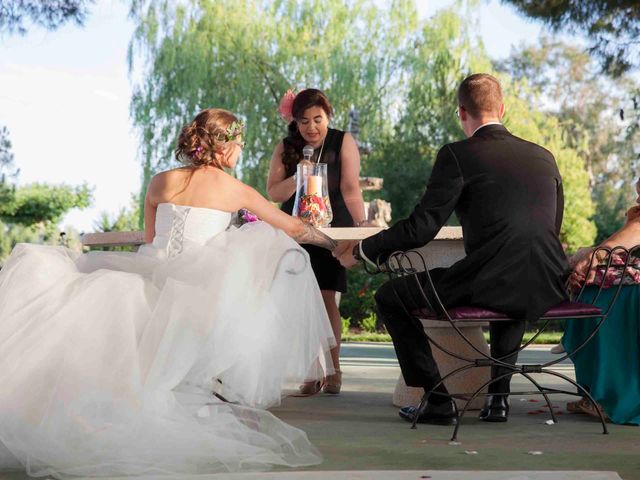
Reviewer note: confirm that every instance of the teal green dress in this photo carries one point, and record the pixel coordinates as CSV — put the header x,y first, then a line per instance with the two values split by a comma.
x,y
609,365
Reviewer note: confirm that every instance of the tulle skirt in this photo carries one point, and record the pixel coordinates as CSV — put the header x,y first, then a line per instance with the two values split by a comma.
x,y
108,360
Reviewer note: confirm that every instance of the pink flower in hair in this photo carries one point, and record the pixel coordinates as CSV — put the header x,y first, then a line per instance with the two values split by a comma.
x,y
285,109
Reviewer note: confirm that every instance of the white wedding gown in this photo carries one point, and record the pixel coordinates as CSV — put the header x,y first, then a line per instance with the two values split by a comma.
x,y
108,359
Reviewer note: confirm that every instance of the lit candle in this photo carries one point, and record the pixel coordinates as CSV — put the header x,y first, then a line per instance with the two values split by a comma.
x,y
314,185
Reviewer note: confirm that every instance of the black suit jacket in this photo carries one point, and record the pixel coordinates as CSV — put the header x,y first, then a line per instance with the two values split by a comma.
x,y
507,193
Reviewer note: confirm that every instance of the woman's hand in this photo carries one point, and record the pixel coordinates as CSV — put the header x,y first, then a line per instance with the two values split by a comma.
x,y
306,163
576,280
584,264
633,213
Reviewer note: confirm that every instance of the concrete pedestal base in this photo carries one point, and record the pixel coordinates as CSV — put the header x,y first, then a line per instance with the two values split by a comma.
x,y
465,382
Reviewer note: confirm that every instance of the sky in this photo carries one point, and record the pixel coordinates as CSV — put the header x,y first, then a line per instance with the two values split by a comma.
x,y
64,96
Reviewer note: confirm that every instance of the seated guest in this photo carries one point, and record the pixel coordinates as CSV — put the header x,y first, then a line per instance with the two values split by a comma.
x,y
609,365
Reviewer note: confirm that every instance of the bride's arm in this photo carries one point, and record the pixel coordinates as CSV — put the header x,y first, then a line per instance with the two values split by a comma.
x,y
150,209
294,227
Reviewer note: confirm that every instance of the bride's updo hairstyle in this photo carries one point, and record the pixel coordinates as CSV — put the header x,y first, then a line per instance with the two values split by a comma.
x,y
294,143
201,141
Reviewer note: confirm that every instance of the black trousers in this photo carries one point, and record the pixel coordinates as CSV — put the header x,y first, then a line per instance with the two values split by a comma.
x,y
397,298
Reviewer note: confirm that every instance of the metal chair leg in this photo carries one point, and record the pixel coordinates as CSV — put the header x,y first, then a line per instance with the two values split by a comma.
x,y
546,397
425,399
473,397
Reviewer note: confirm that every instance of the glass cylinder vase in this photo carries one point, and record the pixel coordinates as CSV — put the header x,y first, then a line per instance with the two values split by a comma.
x,y
312,203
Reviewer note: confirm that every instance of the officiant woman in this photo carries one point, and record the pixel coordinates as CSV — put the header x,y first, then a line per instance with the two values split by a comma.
x,y
308,114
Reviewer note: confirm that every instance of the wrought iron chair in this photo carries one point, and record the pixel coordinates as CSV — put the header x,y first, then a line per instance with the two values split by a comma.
x,y
410,263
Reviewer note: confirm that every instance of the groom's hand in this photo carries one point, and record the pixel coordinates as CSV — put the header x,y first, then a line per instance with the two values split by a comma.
x,y
344,246
343,252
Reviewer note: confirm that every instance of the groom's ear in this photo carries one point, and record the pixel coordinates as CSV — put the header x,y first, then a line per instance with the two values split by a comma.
x,y
462,113
501,110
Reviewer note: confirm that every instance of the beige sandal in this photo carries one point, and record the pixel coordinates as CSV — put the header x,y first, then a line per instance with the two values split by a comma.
x,y
309,388
576,406
333,383
585,406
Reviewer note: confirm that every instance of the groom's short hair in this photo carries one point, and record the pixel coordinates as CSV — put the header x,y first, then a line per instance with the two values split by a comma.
x,y
480,94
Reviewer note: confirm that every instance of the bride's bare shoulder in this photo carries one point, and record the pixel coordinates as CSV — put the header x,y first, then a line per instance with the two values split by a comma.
x,y
174,173
163,184
206,179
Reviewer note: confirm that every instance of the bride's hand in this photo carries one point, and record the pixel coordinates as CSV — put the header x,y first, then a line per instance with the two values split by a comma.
x,y
311,235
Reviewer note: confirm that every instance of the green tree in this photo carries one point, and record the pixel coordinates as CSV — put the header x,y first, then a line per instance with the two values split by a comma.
x,y
400,72
612,26
7,168
31,213
404,155
534,125
566,83
125,220
42,203
49,14
244,54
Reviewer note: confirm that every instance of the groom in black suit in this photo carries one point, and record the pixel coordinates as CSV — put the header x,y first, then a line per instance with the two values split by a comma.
x,y
507,194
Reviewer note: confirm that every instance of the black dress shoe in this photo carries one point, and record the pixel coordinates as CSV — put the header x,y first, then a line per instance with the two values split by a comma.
x,y
496,409
443,414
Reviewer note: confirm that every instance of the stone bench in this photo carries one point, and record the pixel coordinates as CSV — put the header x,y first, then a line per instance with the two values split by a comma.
x,y
444,251
132,239
468,381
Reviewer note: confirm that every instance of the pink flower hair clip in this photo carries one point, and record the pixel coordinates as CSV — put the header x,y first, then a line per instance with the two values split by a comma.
x,y
285,109
196,153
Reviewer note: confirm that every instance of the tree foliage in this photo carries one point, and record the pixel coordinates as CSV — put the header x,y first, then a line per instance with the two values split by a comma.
x,y
125,220
613,27
400,72
565,82
42,203
244,54
31,213
7,167
50,14
426,120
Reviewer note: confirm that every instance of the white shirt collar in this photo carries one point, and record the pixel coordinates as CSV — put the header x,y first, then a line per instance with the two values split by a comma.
x,y
484,125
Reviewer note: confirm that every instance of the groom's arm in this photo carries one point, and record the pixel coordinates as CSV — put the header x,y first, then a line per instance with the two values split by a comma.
x,y
435,207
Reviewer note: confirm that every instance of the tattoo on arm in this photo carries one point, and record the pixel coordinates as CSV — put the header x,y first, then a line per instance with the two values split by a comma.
x,y
314,236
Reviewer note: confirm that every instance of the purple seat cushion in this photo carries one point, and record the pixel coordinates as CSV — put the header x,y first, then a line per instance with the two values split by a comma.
x,y
564,309
573,309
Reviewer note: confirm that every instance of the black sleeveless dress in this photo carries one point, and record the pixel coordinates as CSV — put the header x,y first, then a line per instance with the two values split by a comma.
x,y
329,273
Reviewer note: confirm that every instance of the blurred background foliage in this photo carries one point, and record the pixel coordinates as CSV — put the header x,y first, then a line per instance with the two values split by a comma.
x,y
400,72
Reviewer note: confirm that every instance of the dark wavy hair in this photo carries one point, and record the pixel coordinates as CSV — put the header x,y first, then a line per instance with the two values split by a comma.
x,y
201,141
294,143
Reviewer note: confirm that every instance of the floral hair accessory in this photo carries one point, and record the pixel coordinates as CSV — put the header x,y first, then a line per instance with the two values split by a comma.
x,y
285,109
197,151
233,130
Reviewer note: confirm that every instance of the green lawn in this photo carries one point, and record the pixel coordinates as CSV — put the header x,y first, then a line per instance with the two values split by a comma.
x,y
362,336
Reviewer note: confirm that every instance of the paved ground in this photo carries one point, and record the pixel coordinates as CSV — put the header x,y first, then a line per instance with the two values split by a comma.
x,y
360,430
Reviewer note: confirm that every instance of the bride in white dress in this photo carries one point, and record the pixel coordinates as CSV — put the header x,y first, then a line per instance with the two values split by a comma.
x,y
116,364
